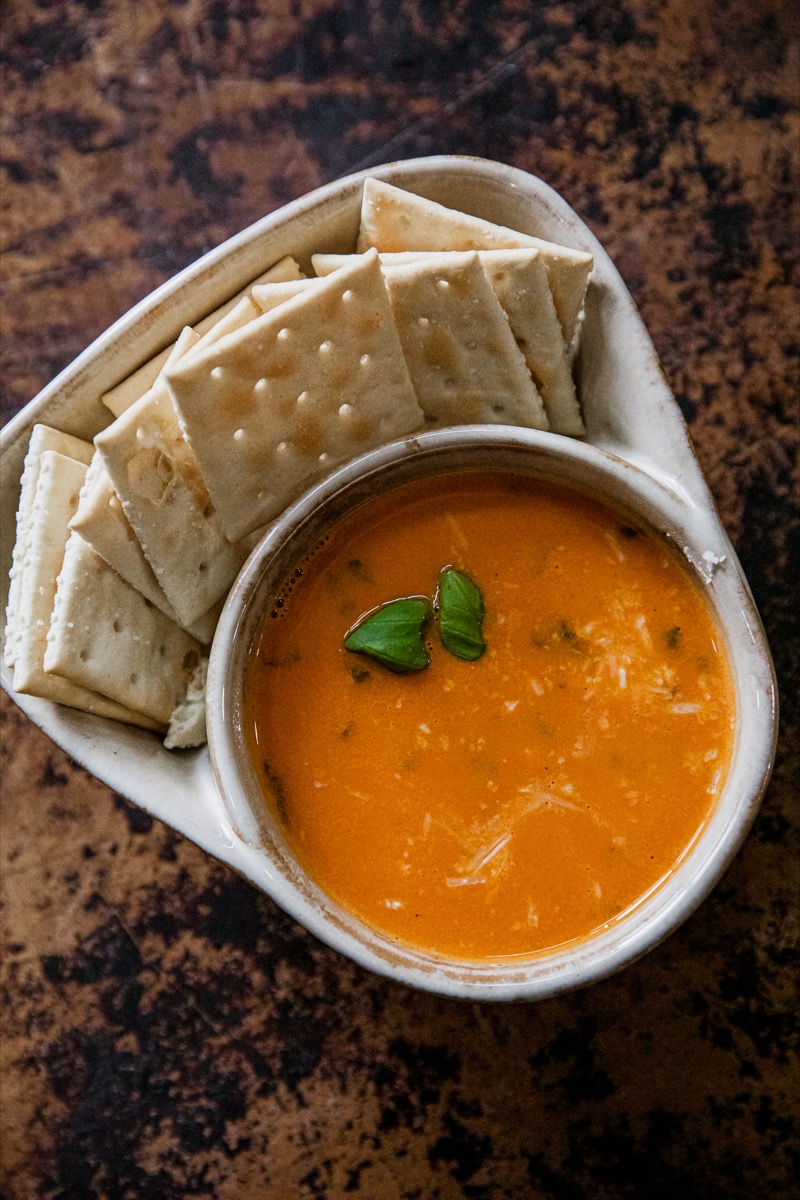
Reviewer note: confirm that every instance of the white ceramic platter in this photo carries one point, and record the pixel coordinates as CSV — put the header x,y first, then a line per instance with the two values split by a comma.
x,y
627,404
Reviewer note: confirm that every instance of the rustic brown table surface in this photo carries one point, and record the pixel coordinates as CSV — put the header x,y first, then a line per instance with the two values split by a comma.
x,y
168,1031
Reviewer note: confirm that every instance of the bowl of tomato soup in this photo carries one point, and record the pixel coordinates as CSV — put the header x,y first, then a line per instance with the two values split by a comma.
x,y
487,703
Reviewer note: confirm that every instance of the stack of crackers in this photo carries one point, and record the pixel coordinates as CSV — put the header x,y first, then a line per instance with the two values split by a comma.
x,y
126,549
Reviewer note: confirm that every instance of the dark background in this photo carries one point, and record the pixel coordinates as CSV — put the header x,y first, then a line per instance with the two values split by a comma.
x,y
168,1031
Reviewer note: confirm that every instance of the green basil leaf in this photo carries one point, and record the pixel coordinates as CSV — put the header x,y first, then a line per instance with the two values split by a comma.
x,y
392,634
460,606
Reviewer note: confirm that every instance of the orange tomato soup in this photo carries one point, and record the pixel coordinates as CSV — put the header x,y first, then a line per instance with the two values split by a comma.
x,y
488,809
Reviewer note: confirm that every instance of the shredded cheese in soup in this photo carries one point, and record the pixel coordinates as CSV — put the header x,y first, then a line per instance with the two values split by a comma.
x,y
506,806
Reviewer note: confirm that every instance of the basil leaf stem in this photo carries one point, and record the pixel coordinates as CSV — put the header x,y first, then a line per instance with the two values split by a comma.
x,y
460,607
392,634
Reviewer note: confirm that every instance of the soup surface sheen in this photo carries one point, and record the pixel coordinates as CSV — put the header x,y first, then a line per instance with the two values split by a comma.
x,y
506,806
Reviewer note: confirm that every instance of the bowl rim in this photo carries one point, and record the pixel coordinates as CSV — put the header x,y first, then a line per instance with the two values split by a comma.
x,y
692,528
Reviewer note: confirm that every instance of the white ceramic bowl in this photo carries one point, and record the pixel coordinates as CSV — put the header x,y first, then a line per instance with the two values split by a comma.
x,y
541,455
629,413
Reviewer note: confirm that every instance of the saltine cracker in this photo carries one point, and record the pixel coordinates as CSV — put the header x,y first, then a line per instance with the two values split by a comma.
x,y
42,439
103,633
393,219
269,295
463,360
315,382
519,280
157,478
101,521
56,497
